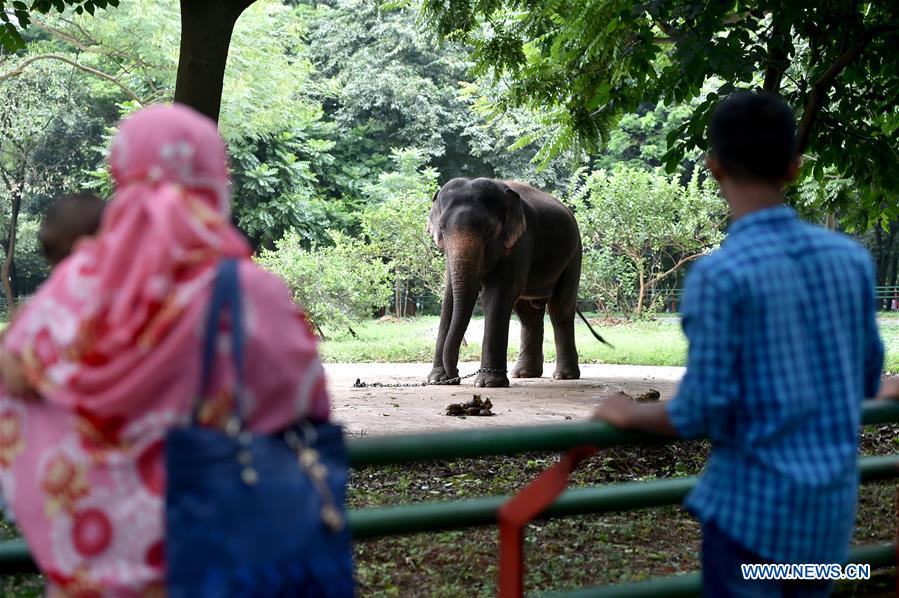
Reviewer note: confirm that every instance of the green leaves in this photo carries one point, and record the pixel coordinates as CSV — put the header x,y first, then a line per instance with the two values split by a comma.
x,y
336,285
88,6
580,68
394,223
600,97
276,188
640,228
10,31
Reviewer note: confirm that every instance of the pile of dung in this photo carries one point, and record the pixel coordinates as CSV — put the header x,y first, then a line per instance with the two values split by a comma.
x,y
473,407
646,397
652,395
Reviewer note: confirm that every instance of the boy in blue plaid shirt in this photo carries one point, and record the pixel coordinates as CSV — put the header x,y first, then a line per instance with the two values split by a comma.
x,y
783,349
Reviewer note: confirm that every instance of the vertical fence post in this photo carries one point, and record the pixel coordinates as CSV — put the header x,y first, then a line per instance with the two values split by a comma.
x,y
529,503
511,562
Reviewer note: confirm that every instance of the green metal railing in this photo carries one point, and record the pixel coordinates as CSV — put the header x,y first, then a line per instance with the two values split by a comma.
x,y
671,298
376,522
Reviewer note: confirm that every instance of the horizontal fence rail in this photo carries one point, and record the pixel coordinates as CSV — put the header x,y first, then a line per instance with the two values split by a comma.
x,y
671,298
441,516
407,448
377,522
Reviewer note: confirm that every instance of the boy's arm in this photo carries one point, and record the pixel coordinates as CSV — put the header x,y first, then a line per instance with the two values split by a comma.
x,y
710,384
889,389
624,413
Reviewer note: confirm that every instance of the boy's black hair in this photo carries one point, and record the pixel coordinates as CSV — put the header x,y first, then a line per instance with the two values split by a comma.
x,y
753,136
69,218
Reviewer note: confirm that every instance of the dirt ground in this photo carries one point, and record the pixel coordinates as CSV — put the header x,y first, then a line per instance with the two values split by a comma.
x,y
379,411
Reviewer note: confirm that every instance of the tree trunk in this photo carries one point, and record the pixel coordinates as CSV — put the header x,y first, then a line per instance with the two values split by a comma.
x,y
893,280
409,307
641,294
891,270
14,278
880,260
206,27
15,206
776,61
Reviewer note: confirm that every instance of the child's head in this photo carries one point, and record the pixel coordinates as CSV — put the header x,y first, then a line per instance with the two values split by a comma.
x,y
753,137
70,218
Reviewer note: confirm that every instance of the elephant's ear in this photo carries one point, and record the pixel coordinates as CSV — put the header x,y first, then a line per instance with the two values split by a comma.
x,y
433,217
514,223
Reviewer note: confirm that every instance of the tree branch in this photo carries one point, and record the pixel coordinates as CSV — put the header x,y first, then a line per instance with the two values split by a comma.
x,y
776,59
20,69
80,29
818,96
663,275
5,178
91,45
62,35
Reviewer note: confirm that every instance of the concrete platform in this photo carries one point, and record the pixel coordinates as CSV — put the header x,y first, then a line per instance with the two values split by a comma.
x,y
378,411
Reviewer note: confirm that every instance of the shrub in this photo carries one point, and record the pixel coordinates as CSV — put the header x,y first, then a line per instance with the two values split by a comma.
x,y
395,225
336,285
640,228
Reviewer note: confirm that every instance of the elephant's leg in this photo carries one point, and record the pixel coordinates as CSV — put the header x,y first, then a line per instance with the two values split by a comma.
x,y
438,372
562,307
530,357
498,309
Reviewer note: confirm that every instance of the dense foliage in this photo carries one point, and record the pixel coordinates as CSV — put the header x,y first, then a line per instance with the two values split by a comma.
x,y
582,65
15,15
640,229
398,204
343,117
335,284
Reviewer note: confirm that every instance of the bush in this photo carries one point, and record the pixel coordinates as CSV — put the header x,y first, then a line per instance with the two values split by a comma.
x,y
609,281
336,285
395,225
640,229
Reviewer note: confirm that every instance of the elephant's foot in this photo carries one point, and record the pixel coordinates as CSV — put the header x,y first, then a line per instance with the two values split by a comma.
x,y
567,373
439,376
491,380
527,369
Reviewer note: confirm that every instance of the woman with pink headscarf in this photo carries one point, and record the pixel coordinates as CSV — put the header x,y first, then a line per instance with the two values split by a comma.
x,y
106,358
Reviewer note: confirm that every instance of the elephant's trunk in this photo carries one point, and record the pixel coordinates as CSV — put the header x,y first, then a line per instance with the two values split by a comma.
x,y
464,256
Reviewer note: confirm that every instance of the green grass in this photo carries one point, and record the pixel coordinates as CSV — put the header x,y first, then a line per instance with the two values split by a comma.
x,y
889,332
636,343
410,340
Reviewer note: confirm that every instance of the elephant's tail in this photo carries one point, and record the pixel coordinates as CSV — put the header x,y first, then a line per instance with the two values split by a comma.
x,y
599,338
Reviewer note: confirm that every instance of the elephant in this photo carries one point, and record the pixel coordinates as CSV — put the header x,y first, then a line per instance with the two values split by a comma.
x,y
521,249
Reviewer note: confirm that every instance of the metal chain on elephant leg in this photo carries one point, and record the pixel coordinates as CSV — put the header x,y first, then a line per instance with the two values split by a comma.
x,y
360,384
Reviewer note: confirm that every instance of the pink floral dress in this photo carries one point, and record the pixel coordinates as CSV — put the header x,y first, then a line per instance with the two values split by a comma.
x,y
112,345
